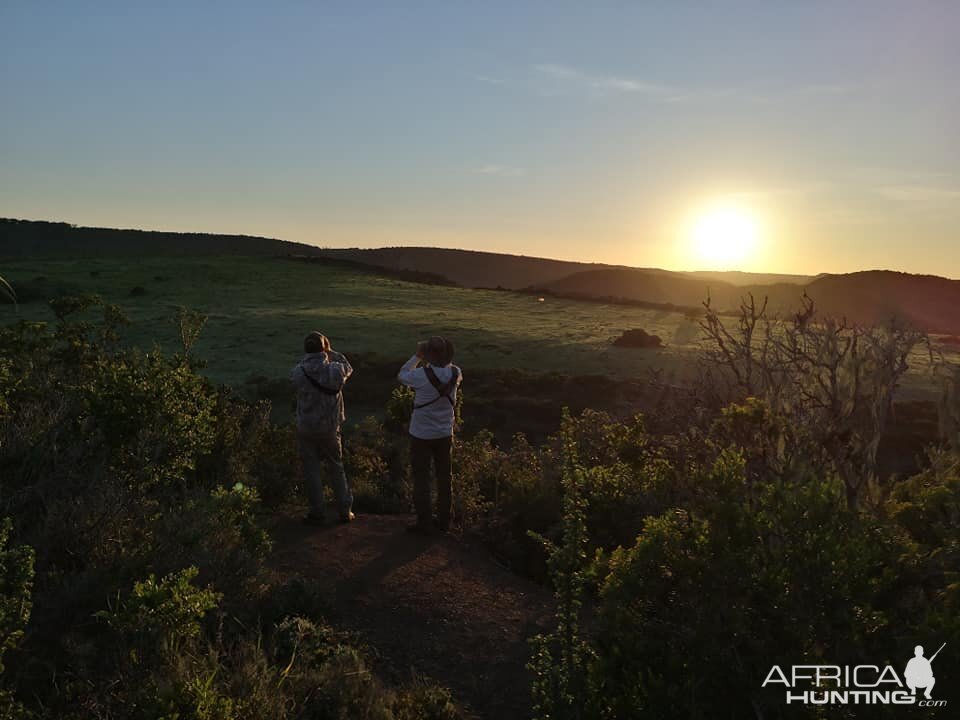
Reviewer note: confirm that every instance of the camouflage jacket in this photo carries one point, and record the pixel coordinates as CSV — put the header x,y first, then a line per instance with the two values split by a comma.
x,y
318,411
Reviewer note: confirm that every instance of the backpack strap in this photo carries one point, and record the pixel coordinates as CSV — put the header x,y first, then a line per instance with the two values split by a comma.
x,y
316,383
444,390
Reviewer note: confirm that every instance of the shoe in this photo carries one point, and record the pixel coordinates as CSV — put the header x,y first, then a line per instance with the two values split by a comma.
x,y
347,517
311,519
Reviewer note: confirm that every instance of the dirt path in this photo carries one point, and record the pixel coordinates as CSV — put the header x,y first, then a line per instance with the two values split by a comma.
x,y
434,606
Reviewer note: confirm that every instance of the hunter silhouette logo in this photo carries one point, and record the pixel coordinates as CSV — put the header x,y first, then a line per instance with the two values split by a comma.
x,y
919,673
858,684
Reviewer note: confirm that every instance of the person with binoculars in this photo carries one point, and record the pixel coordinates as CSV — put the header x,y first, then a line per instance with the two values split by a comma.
x,y
319,378
435,381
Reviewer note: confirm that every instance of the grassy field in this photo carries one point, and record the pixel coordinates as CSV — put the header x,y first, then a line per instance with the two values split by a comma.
x,y
259,309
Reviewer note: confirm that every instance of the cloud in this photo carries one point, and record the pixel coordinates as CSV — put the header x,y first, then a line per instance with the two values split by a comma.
x,y
561,79
572,78
820,89
490,79
922,198
497,170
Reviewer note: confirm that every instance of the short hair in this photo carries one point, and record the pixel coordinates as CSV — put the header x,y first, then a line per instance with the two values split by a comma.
x,y
316,342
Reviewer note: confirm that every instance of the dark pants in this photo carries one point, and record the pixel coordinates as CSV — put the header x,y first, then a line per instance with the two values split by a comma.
x,y
317,449
421,453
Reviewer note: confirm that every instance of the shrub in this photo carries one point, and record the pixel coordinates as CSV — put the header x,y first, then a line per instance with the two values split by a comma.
x,y
376,465
16,583
161,615
477,465
425,701
637,338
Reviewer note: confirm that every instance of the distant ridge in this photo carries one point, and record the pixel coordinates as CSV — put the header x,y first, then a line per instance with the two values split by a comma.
x,y
929,302
31,238
471,268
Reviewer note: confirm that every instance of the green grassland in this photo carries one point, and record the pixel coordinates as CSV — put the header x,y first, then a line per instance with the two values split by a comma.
x,y
259,309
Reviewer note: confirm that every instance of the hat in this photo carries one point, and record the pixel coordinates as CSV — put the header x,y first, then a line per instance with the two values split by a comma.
x,y
439,351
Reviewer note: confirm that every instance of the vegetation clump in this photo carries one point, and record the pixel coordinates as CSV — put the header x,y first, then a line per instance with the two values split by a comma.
x,y
638,338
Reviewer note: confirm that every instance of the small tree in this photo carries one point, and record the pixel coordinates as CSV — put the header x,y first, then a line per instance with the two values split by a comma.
x,y
833,380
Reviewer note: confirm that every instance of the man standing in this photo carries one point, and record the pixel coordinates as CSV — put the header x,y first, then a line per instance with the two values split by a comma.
x,y
319,379
431,427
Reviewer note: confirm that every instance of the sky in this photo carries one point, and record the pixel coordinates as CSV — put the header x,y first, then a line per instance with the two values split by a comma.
x,y
601,132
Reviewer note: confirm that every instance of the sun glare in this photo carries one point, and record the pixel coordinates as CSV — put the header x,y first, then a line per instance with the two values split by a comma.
x,y
724,236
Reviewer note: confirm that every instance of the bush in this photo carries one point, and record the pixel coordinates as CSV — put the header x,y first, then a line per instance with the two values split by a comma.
x,y
637,338
376,465
16,583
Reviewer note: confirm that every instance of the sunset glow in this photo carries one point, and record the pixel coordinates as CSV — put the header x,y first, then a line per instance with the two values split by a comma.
x,y
724,236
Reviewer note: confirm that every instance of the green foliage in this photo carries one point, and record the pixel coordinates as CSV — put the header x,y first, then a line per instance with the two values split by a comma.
x,y
376,462
16,582
400,408
561,660
425,701
162,616
927,508
477,464
708,598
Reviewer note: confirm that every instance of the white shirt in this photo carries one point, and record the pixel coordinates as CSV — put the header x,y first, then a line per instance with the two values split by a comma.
x,y
435,420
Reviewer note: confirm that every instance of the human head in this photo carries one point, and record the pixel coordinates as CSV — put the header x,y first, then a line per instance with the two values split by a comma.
x,y
316,342
439,351
918,651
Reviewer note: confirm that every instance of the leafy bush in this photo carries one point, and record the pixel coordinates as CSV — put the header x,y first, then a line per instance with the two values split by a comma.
x,y
376,464
744,558
16,582
638,338
161,616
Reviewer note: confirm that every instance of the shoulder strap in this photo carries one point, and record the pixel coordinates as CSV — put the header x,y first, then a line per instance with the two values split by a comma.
x,y
316,383
444,390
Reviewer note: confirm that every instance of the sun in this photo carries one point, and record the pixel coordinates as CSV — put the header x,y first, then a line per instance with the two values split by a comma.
x,y
725,236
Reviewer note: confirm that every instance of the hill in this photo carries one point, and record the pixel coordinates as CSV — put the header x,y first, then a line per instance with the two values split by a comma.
x,y
39,238
737,277
928,302
472,268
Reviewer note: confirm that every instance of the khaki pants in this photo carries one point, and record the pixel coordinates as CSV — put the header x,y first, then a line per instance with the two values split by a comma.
x,y
319,449
422,453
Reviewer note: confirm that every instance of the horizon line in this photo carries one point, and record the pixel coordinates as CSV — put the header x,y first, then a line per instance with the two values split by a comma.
x,y
811,276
